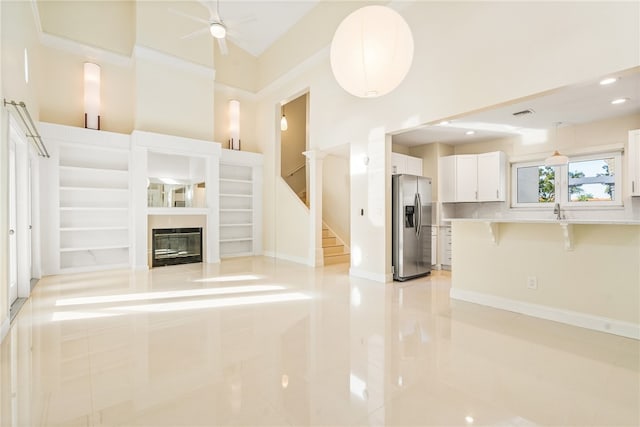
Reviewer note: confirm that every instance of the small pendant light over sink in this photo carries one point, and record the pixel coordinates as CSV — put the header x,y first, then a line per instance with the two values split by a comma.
x,y
371,51
556,159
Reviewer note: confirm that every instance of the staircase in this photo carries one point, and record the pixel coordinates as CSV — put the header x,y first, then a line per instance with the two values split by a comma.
x,y
334,251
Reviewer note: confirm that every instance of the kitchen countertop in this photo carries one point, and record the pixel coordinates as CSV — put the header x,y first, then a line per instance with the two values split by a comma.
x,y
567,221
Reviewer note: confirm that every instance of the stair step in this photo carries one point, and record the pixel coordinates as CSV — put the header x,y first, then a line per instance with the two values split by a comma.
x,y
327,233
337,259
333,249
328,241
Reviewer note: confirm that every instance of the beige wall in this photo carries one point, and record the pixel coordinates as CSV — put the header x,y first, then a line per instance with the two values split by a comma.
x,y
238,69
599,277
336,196
61,91
402,149
248,137
570,138
173,101
108,25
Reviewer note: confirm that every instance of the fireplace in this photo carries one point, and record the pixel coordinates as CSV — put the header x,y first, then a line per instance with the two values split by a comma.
x,y
176,246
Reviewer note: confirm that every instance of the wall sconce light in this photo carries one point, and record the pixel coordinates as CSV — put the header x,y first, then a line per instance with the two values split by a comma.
x,y
371,51
234,124
283,121
91,96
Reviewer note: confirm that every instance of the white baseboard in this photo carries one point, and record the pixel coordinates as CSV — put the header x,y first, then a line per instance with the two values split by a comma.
x,y
583,320
285,257
4,328
376,277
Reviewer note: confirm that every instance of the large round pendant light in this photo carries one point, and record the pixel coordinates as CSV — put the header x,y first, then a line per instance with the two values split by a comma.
x,y
371,51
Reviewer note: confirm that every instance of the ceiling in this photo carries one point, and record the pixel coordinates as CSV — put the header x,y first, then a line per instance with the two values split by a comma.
x,y
254,25
574,104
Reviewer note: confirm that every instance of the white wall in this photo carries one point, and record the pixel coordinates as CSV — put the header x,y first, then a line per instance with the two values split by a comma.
x,y
336,196
17,33
462,63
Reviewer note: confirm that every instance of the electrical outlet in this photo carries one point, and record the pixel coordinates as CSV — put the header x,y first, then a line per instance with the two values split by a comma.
x,y
532,282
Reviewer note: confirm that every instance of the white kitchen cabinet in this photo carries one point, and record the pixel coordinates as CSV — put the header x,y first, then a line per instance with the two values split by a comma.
x,y
634,162
447,179
491,177
445,247
466,178
401,163
434,245
472,177
414,165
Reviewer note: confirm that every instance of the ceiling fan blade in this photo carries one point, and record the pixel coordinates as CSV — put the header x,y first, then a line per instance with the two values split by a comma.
x,y
213,15
195,33
186,15
222,43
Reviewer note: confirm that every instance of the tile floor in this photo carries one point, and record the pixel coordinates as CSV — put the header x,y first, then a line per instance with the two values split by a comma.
x,y
257,342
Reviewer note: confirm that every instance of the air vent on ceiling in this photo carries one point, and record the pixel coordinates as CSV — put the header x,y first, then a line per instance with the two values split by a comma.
x,y
523,112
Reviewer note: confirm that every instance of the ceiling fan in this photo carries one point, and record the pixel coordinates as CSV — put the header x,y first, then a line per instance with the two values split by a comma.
x,y
219,29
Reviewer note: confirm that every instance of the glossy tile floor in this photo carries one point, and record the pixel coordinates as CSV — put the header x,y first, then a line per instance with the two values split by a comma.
x,y
257,342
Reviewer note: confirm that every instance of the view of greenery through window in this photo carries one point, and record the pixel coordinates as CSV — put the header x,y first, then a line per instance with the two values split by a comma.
x,y
589,180
592,180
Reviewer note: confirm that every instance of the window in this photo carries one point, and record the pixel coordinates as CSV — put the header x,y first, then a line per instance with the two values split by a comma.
x,y
586,181
534,184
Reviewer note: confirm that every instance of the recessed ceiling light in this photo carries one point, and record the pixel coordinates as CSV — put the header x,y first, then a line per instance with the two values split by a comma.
x,y
608,81
469,419
619,101
470,132
444,122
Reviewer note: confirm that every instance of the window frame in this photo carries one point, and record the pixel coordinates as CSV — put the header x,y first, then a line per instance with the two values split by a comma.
x,y
562,183
514,186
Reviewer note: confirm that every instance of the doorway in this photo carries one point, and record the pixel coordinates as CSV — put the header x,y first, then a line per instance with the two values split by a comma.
x,y
13,242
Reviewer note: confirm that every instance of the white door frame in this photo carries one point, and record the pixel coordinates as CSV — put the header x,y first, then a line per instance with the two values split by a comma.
x,y
13,245
22,204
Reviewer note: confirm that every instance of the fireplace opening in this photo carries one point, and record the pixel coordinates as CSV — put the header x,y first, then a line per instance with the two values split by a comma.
x,y
176,246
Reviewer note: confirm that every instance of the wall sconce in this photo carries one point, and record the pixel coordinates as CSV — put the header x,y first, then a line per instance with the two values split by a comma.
x,y
283,121
91,96
371,51
234,124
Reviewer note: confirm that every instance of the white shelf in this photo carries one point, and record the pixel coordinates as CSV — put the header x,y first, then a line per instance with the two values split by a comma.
x,y
90,169
240,201
87,208
242,181
112,228
248,196
93,198
94,248
100,189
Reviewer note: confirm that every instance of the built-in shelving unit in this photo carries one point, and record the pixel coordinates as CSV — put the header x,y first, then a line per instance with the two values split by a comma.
x,y
240,202
93,207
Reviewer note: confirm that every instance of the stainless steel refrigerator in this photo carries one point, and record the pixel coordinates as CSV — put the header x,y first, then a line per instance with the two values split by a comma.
x,y
411,218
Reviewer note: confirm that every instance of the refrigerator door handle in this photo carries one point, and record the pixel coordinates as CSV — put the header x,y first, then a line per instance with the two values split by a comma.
x,y
418,209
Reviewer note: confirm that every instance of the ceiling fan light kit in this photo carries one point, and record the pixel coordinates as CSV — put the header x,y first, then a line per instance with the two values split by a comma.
x,y
217,30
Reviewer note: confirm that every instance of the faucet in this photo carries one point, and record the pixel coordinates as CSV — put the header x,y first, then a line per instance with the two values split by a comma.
x,y
557,211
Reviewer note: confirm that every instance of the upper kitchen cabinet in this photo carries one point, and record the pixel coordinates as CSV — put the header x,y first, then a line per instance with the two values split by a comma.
x,y
473,177
401,163
634,161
